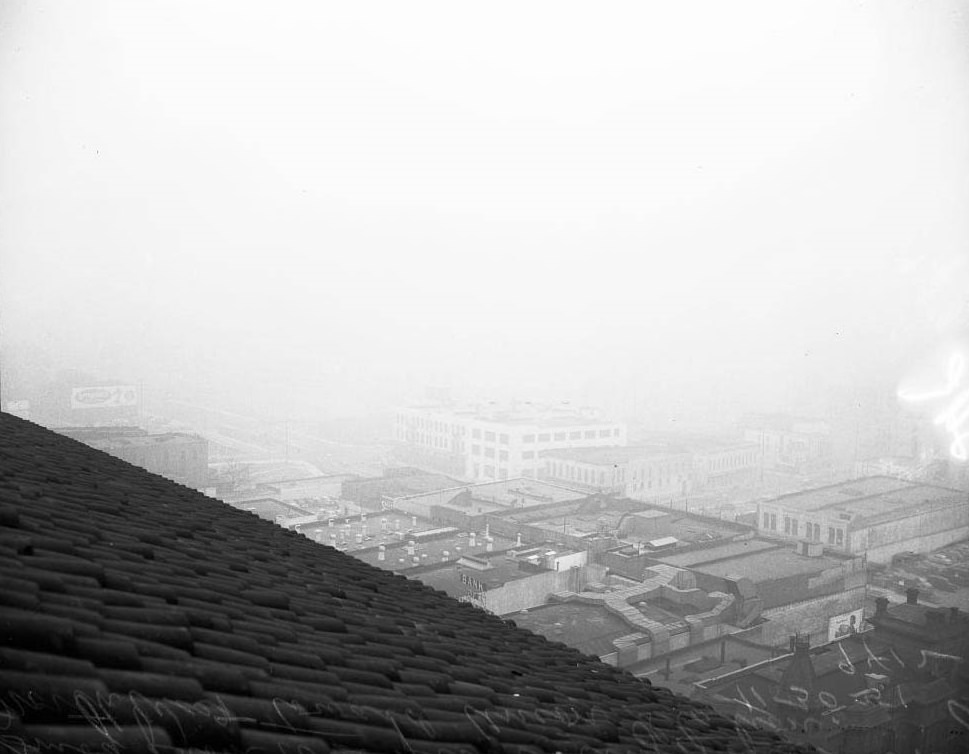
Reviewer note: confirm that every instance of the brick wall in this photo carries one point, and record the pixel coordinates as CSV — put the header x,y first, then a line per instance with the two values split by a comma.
x,y
810,616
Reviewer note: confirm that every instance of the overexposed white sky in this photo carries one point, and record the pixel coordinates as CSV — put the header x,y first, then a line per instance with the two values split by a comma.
x,y
339,201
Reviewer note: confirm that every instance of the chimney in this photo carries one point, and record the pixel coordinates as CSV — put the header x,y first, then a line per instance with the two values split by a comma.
x,y
518,543
912,596
382,553
881,605
473,539
802,643
793,643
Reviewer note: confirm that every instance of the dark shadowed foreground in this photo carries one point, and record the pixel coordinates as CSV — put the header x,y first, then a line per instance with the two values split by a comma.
x,y
139,615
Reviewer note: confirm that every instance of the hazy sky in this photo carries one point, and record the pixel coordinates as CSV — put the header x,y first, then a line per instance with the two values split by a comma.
x,y
331,200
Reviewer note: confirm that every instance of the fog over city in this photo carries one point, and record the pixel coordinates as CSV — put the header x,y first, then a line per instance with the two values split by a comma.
x,y
313,208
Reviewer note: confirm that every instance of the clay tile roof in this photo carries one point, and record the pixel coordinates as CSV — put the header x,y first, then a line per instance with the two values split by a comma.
x,y
139,615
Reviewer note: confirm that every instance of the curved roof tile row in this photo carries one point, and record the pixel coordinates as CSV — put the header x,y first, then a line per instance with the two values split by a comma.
x,y
138,615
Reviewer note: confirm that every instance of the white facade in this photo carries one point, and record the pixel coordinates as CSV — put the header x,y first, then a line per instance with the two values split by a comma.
x,y
500,445
637,473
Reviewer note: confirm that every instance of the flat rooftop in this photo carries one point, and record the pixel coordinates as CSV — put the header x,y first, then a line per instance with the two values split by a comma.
x,y
752,560
269,508
685,527
546,421
727,550
447,578
397,559
578,525
512,491
871,496
119,437
589,628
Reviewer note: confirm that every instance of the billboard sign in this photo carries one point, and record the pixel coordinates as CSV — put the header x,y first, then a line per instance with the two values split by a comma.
x,y
843,625
110,396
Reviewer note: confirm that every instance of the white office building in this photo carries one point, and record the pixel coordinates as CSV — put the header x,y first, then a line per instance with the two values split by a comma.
x,y
485,443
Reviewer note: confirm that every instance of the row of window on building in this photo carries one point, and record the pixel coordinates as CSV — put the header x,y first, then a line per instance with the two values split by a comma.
x,y
575,473
645,481
489,471
792,527
477,450
734,461
428,440
503,438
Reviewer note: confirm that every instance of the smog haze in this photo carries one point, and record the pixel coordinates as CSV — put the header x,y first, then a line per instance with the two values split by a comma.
x,y
326,208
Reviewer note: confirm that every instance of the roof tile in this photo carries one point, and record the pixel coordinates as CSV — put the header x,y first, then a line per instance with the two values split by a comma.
x,y
108,653
152,684
261,742
213,676
135,739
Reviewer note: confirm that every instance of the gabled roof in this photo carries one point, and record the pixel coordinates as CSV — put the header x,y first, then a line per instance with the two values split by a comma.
x,y
136,614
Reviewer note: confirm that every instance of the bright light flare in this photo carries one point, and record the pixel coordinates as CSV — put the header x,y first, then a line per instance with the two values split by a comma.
x,y
954,416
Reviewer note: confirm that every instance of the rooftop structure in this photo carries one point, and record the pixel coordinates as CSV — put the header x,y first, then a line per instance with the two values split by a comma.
x,y
395,483
756,559
879,516
177,456
486,497
657,522
518,579
798,587
589,628
142,616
